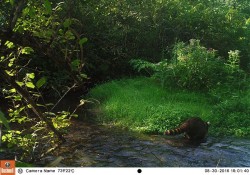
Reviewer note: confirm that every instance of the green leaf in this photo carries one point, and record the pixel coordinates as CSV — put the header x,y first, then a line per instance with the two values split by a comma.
x,y
11,62
69,35
47,6
4,120
20,83
32,12
41,82
17,98
75,64
10,73
60,31
30,75
13,90
84,76
29,11
30,85
83,40
20,29
67,23
27,50
12,2
74,115
9,44
18,132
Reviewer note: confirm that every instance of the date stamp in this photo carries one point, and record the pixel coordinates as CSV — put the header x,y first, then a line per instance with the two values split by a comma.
x,y
227,170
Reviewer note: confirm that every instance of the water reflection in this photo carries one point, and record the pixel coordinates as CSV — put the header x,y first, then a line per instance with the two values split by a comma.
x,y
98,146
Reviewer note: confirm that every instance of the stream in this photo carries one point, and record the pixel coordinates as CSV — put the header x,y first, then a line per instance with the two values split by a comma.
x,y
91,145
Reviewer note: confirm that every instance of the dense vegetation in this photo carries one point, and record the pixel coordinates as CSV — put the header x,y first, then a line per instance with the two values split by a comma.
x,y
196,54
193,83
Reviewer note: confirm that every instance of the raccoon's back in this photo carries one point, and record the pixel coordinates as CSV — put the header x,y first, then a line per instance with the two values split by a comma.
x,y
194,129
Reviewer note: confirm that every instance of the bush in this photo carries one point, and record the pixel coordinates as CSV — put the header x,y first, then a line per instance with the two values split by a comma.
x,y
194,67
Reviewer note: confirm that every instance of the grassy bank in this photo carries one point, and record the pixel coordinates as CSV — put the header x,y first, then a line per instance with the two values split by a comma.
x,y
141,104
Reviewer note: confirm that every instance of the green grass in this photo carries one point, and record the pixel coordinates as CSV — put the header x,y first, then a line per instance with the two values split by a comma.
x,y
141,104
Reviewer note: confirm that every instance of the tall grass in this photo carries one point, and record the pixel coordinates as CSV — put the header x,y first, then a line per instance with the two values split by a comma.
x,y
141,104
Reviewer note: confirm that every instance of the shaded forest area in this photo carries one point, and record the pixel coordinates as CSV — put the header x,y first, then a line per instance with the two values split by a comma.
x,y
50,48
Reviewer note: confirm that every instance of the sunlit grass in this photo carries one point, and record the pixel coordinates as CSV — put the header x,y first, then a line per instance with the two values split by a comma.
x,y
141,104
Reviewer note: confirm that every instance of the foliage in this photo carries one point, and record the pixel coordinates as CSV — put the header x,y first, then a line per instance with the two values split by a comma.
x,y
194,67
31,31
23,164
30,132
113,32
4,120
118,31
57,47
26,143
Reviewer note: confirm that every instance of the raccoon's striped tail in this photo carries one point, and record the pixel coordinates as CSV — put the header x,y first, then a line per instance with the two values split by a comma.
x,y
174,131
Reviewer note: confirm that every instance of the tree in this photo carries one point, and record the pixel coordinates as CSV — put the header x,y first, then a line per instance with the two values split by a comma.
x,y
32,32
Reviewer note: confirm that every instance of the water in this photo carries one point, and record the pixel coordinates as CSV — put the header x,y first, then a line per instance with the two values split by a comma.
x,y
90,145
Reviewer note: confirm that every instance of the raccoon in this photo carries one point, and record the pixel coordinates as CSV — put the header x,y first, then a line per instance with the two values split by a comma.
x,y
194,129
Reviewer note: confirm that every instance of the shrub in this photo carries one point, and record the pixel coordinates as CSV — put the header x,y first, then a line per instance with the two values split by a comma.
x,y
194,67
